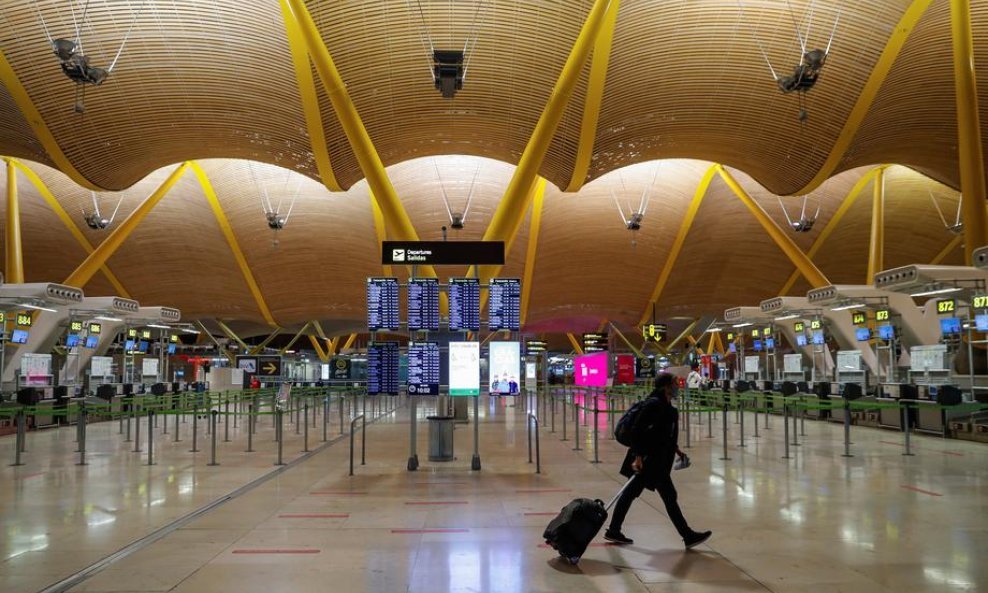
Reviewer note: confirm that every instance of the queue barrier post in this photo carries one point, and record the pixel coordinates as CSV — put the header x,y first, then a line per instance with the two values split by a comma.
x,y
353,424
533,421
847,429
279,429
596,438
305,438
213,417
905,428
250,425
81,425
725,409
576,424
151,420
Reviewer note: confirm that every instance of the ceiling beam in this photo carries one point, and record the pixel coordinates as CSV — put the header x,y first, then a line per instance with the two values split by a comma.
x,y
322,354
804,264
348,343
626,341
677,244
264,344
947,250
310,100
73,229
41,130
203,331
576,343
970,153
535,225
910,18
363,149
682,335
97,259
295,339
231,239
14,267
381,230
834,221
230,334
594,98
511,210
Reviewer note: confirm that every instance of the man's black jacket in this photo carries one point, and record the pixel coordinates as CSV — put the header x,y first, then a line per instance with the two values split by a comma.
x,y
654,437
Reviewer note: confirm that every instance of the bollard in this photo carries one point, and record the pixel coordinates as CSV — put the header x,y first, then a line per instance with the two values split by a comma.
x,y
226,421
363,435
905,428
195,429
756,419
710,422
279,428
213,417
305,439
847,429
785,424
352,429
564,415
82,433
724,422
137,433
250,425
151,419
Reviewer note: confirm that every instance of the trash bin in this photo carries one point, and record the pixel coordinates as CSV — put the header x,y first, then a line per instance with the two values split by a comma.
x,y
441,438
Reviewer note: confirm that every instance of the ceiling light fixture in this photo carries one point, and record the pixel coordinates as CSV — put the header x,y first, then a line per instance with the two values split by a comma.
x,y
936,291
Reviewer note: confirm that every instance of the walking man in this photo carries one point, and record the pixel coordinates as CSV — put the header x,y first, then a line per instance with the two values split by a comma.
x,y
649,461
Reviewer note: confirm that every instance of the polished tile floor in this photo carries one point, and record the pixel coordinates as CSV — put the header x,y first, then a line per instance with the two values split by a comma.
x,y
878,521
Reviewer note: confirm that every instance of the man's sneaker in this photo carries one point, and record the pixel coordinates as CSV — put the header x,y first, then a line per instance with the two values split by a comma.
x,y
617,537
696,538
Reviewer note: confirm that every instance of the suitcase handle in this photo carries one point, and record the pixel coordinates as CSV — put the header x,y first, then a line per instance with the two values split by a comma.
x,y
608,506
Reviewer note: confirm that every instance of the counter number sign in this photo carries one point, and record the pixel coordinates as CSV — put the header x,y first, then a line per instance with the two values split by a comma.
x,y
95,329
767,331
755,333
799,326
75,326
816,324
859,318
146,334
730,336
981,301
25,320
882,315
946,306
131,333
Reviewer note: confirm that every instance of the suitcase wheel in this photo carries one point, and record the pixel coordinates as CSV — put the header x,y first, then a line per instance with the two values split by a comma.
x,y
571,559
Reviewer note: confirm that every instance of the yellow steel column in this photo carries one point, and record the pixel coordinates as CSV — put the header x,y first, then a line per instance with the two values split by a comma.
x,y
511,210
295,339
782,240
322,354
97,259
832,224
257,349
348,343
73,229
970,153
876,248
682,335
230,334
14,269
677,244
626,341
533,244
595,95
576,343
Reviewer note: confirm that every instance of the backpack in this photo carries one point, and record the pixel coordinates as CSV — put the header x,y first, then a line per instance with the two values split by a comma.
x,y
624,431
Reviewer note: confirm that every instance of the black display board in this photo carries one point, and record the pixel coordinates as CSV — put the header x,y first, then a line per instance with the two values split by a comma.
x,y
504,304
382,368
423,304
382,304
594,342
464,304
423,368
454,253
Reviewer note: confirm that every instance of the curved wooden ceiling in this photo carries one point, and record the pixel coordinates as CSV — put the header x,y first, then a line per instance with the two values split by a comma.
x,y
686,79
589,267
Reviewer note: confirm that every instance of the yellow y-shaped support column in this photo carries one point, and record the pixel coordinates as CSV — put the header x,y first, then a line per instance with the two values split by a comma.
x,y
14,270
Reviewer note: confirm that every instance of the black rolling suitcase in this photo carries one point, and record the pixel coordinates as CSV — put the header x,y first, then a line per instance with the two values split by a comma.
x,y
572,530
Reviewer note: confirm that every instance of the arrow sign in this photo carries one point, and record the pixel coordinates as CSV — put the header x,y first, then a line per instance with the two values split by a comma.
x,y
270,368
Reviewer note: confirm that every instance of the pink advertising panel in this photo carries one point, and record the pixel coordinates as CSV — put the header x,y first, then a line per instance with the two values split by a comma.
x,y
591,370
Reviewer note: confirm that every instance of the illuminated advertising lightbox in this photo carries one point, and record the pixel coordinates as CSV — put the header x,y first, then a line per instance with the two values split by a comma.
x,y
625,374
505,367
464,368
590,370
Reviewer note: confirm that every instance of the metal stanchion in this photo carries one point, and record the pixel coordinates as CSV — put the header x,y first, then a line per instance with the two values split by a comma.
x,y
363,433
342,398
195,428
325,419
250,427
847,429
710,421
596,438
686,414
475,460
177,413
741,422
552,406
785,424
238,408
905,428
576,425
226,419
724,422
151,419
128,413
213,417
279,429
19,442
795,425
305,438
82,433
756,418
353,428
137,433
802,420
533,420
564,415
298,413
766,414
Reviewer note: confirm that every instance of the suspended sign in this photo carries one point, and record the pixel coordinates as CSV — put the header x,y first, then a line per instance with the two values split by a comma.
x,y
25,320
816,324
799,326
95,328
946,306
75,326
456,253
980,301
859,318
654,332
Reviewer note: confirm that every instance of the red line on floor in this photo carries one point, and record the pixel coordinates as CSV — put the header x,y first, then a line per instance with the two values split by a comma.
x,y
335,493
315,516
437,502
278,551
430,531
920,490
542,490
547,514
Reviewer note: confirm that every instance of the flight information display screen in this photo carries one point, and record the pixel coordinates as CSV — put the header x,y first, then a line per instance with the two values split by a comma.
x,y
382,304
464,304
423,304
504,304
382,368
423,368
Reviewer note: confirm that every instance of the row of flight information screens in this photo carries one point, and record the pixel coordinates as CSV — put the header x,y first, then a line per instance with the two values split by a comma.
x,y
423,368
504,304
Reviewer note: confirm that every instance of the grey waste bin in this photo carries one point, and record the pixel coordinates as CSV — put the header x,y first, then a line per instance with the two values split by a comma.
x,y
441,438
